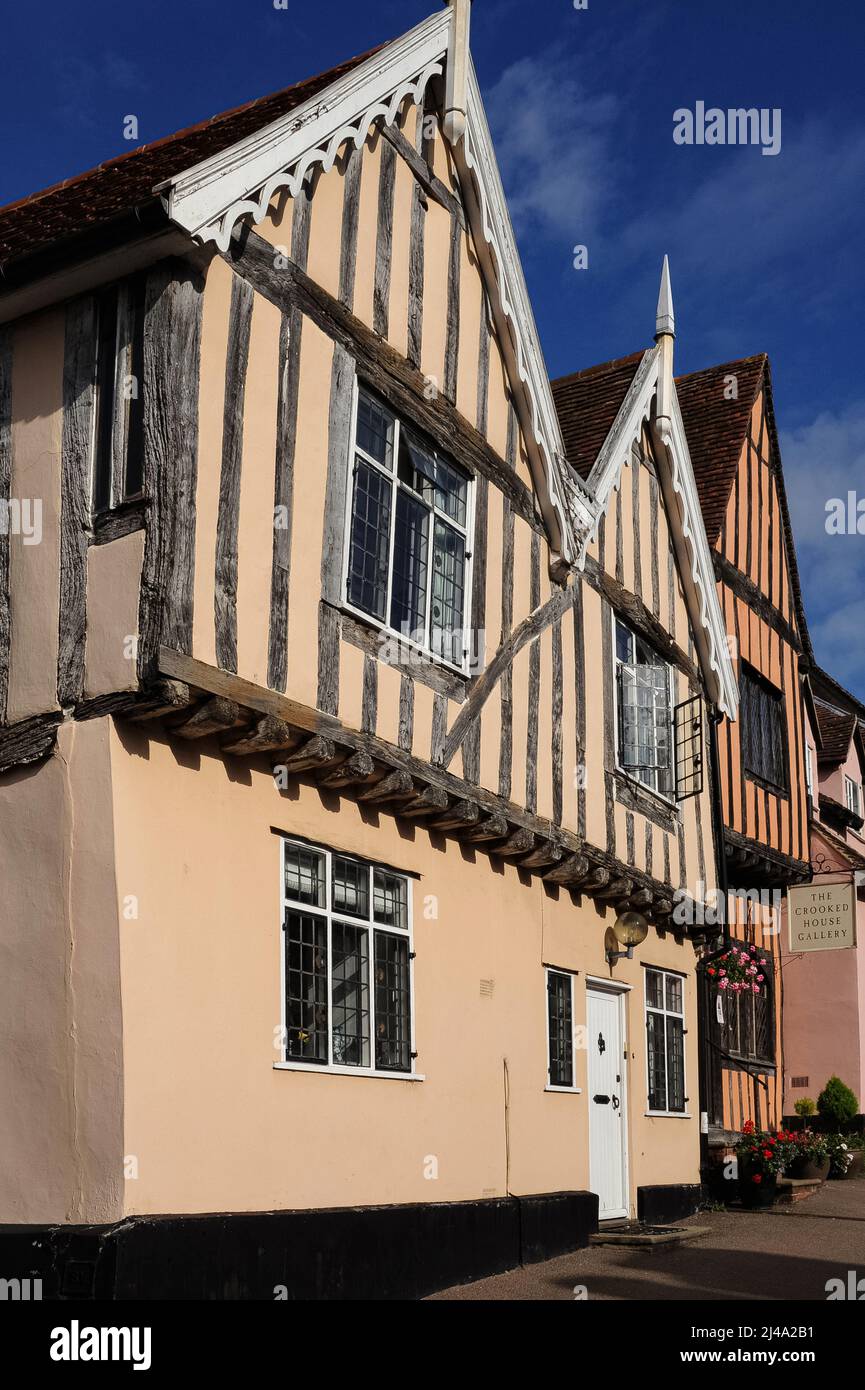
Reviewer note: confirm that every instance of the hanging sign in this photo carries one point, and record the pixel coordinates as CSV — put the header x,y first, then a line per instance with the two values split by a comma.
x,y
822,916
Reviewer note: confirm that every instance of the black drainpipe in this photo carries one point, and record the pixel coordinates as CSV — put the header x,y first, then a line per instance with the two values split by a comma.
x,y
705,1021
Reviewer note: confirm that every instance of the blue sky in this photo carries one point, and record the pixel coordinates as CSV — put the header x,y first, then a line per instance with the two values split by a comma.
x,y
765,252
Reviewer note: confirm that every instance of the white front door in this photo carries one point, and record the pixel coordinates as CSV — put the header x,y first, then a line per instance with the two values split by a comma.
x,y
608,1123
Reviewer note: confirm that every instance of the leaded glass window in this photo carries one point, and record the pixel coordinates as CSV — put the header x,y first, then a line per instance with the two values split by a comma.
x,y
665,1042
645,725
560,1030
347,962
408,551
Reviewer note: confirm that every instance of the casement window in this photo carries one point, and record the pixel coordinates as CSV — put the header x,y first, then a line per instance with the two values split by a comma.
x,y
347,963
809,771
560,1031
665,1042
644,706
852,796
761,717
118,452
408,549
746,1024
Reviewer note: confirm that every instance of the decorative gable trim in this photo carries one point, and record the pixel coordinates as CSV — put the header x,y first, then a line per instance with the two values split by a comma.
x,y
568,509
676,475
210,199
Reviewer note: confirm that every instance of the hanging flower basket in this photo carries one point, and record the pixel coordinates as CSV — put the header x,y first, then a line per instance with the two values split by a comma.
x,y
741,970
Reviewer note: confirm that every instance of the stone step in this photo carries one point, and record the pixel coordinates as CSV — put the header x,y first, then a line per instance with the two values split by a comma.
x,y
637,1233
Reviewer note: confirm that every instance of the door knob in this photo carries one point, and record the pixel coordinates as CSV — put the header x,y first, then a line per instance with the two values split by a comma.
x,y
602,1100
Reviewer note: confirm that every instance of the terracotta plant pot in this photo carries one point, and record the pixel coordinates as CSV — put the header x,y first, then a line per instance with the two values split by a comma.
x,y
757,1194
813,1169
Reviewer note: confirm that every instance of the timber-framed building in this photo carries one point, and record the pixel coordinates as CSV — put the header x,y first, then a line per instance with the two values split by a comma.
x,y
344,714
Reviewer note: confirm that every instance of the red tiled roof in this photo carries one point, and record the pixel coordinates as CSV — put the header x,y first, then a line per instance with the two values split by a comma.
x,y
120,185
836,731
715,428
587,403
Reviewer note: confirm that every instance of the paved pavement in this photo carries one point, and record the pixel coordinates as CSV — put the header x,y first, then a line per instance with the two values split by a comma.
x,y
785,1253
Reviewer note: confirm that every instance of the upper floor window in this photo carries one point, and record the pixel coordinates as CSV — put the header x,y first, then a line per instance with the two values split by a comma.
x,y
408,556
746,1023
347,944
118,453
560,1031
762,724
852,795
645,726
665,1042
809,771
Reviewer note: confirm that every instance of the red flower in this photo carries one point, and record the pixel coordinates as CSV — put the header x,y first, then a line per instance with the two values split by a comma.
x,y
758,1177
748,1127
767,1153
710,971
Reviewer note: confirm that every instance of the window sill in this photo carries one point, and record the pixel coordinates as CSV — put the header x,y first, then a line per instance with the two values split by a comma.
x,y
349,1071
783,793
395,650
120,520
565,1090
667,1115
638,786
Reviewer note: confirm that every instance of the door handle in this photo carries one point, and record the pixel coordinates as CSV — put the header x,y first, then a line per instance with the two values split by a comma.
x,y
602,1100
616,1102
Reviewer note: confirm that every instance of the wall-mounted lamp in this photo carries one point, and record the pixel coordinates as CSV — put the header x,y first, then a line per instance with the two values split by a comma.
x,y
630,929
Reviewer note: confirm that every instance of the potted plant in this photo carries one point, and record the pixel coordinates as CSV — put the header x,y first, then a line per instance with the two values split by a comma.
x,y
761,1157
811,1159
836,1102
854,1145
805,1107
840,1155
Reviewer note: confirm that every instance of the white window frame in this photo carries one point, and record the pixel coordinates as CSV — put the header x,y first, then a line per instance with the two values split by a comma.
x,y
667,1013
809,771
573,1089
328,914
464,668
852,794
671,698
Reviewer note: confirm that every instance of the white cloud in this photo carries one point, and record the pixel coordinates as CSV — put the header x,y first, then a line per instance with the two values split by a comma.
x,y
553,138
823,460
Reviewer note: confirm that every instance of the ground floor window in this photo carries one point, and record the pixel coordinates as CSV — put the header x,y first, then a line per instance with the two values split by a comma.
x,y
665,1042
347,962
560,1030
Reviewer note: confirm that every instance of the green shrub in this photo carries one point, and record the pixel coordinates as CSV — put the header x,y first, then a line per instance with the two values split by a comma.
x,y
805,1107
836,1101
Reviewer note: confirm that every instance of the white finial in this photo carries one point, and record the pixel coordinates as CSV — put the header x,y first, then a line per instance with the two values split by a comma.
x,y
665,319
457,75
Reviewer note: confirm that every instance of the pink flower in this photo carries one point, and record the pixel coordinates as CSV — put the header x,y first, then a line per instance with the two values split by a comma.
x,y
756,989
760,979
723,984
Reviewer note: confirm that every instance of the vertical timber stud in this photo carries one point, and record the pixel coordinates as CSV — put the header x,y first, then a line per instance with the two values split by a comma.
x,y
416,255
534,680
338,456
290,337
384,239
350,213
5,489
283,497
228,519
172,348
79,362
507,681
